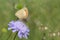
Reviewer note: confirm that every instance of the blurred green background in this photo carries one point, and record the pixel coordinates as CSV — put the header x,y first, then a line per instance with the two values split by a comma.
x,y
42,13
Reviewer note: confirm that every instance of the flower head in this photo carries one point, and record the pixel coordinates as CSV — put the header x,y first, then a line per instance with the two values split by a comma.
x,y
23,30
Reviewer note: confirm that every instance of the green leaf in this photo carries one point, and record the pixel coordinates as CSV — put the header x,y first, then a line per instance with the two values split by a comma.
x,y
19,6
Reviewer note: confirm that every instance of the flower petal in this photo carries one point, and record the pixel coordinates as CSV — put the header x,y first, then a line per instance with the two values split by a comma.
x,y
25,36
14,30
9,28
19,34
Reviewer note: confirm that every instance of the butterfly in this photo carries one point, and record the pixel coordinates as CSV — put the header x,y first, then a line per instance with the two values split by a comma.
x,y
22,13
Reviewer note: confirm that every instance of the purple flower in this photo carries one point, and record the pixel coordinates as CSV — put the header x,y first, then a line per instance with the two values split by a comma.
x,y
23,30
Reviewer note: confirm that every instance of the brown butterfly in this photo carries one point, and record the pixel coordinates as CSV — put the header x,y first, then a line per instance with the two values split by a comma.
x,y
22,13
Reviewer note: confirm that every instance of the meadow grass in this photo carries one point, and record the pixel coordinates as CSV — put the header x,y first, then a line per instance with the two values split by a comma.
x,y
45,12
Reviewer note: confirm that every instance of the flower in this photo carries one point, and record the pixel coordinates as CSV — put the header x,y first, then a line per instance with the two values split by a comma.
x,y
23,30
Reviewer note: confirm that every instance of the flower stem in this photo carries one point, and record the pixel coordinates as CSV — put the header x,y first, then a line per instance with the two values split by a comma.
x,y
15,35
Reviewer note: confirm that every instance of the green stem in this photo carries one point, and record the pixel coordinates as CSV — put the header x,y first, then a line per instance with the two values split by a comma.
x,y
15,35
